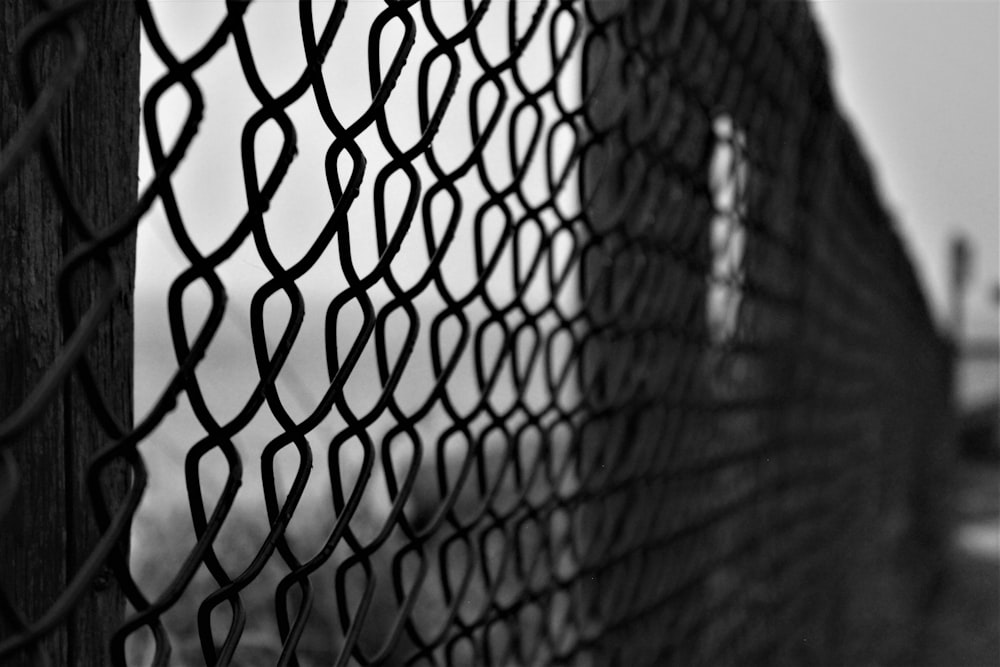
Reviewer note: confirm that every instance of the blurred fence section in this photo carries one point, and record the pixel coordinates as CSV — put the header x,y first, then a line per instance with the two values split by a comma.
x,y
514,333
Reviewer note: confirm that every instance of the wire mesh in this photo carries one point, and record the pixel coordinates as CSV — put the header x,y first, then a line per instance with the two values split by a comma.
x,y
511,333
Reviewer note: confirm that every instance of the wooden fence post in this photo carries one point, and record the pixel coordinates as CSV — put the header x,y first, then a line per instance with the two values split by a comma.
x,y
50,528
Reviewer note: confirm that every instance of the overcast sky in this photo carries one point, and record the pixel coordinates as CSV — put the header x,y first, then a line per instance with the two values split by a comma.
x,y
918,78
920,81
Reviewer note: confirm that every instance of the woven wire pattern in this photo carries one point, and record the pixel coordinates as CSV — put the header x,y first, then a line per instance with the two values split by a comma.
x,y
598,348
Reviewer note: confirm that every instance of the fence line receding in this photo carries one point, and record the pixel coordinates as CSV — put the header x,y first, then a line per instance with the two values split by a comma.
x,y
504,333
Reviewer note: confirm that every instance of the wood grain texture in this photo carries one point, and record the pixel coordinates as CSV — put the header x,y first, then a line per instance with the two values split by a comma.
x,y
51,530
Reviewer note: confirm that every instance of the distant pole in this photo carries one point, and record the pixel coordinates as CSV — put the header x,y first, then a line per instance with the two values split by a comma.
x,y
961,260
49,529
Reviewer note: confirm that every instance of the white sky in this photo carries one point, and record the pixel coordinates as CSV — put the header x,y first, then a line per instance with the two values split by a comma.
x,y
920,81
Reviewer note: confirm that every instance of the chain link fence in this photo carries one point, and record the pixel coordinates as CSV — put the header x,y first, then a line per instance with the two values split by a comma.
x,y
514,333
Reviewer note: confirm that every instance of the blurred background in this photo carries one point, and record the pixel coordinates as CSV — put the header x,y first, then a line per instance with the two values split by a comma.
x,y
920,80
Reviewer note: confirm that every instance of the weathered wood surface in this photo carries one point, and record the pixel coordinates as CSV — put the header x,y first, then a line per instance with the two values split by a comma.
x,y
50,529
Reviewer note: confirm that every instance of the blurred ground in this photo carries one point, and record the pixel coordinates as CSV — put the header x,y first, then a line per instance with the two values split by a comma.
x,y
963,629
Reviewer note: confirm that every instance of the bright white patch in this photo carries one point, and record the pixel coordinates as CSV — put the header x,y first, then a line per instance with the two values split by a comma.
x,y
727,180
981,538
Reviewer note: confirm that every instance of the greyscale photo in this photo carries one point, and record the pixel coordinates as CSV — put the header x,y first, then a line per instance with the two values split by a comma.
x,y
500,332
